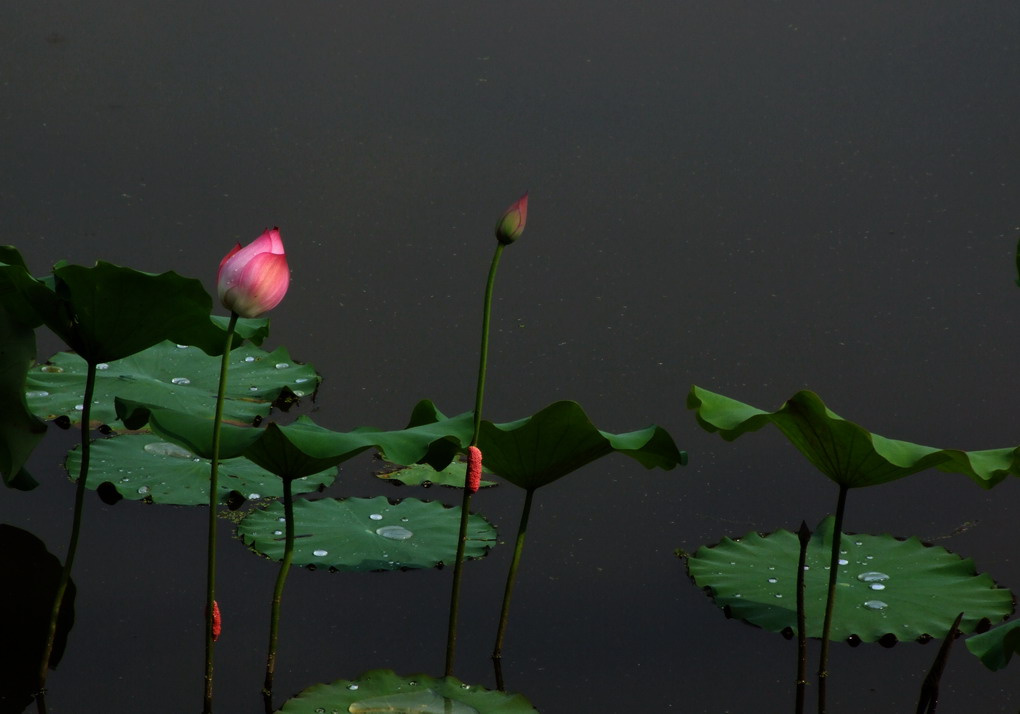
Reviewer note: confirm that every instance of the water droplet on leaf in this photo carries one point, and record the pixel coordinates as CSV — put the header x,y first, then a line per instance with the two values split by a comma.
x,y
394,532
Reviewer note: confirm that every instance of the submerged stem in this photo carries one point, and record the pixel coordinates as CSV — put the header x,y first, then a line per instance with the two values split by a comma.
x,y
830,599
511,578
483,359
804,537
214,470
281,578
72,546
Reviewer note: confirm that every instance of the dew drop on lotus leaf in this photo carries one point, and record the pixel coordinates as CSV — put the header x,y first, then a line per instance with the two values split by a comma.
x,y
394,532
102,365
773,580
39,393
320,553
282,365
875,605
51,368
877,586
376,516
180,380
249,358
872,576
843,561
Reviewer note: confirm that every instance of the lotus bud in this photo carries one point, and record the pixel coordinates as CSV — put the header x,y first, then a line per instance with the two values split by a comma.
x,y
253,280
474,469
511,223
217,621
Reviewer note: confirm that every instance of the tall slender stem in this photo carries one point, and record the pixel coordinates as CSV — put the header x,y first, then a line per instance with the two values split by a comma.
x,y
483,359
72,546
804,537
830,599
281,578
210,597
511,578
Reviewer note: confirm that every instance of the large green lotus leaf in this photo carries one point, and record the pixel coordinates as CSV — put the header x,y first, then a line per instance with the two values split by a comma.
x,y
997,646
144,467
176,377
845,452
539,449
886,587
453,475
382,690
359,534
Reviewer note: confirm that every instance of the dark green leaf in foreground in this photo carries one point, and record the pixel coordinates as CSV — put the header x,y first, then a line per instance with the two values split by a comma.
x,y
359,534
20,430
144,467
184,379
997,646
382,690
31,575
845,452
885,587
453,475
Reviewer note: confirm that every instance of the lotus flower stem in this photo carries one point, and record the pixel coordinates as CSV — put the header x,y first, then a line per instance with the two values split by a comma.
x,y
213,514
804,536
281,578
72,546
504,614
451,636
830,598
929,699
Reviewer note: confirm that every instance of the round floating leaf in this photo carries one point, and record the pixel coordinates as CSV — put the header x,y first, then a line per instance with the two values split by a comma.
x,y
144,467
885,587
359,534
184,379
997,646
453,475
382,690
845,452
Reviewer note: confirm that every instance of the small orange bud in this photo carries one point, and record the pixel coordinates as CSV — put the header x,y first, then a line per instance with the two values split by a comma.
x,y
474,470
217,621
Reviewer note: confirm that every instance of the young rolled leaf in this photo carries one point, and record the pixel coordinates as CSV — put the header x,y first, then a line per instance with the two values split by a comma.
x,y
539,449
382,690
887,587
845,452
363,534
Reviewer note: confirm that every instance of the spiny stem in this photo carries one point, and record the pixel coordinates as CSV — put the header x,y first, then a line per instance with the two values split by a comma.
x,y
830,600
214,470
504,615
281,578
483,358
72,546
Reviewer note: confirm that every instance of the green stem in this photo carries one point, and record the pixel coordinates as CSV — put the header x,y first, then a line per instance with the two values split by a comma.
x,y
214,471
504,615
281,578
804,537
830,600
72,546
483,359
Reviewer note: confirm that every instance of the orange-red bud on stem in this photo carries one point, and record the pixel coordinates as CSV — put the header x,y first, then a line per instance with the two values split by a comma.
x,y
217,621
474,469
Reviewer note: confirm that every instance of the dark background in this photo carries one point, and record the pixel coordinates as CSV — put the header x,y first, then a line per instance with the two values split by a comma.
x,y
753,197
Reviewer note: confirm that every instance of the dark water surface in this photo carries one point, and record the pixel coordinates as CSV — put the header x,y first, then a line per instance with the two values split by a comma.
x,y
753,197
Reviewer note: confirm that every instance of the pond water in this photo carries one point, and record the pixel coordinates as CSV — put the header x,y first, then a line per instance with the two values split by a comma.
x,y
753,197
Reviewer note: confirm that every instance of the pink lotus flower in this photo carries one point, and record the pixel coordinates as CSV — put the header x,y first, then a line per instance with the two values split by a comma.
x,y
253,280
511,223
474,469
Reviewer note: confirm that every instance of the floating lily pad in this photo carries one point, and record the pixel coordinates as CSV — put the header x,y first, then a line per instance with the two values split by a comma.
x,y
382,690
845,452
886,587
997,646
358,534
453,475
180,378
144,467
